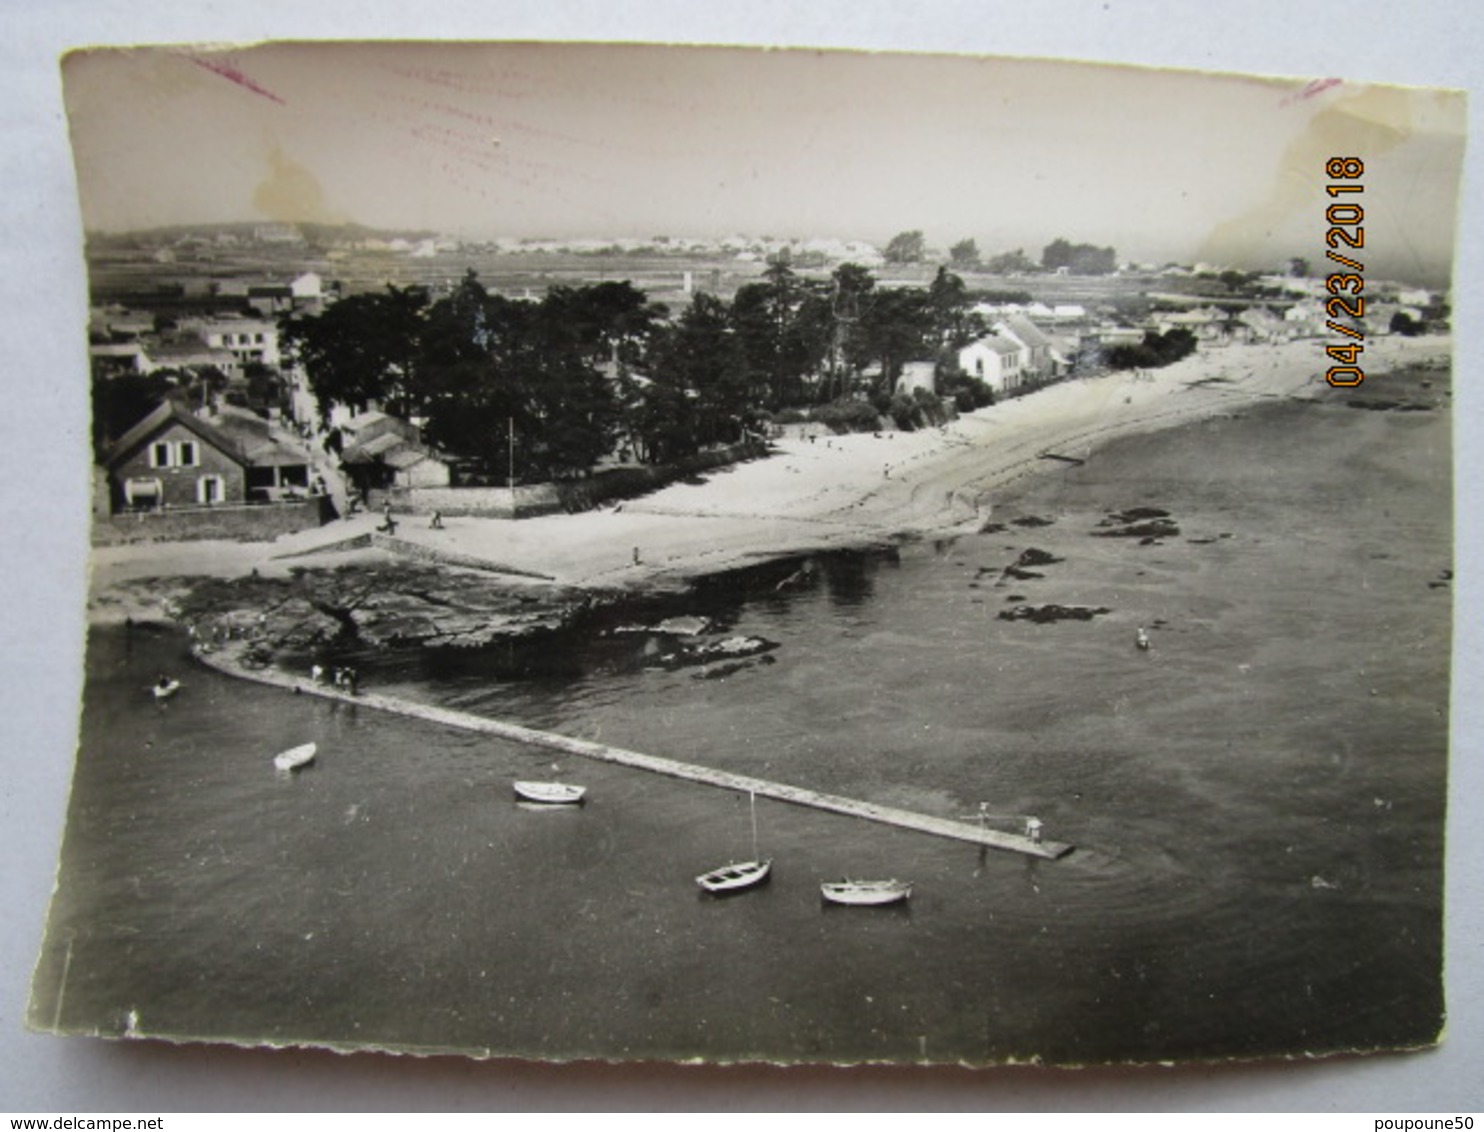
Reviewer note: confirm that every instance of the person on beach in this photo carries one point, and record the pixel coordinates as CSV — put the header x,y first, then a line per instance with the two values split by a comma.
x,y
317,673
352,681
1141,639
636,556
437,521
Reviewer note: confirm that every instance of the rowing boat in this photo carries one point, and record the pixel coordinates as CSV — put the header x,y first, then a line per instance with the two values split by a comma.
x,y
550,793
866,892
735,877
295,757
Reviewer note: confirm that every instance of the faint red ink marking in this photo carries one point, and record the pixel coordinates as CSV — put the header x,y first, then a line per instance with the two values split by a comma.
x,y
227,71
1310,90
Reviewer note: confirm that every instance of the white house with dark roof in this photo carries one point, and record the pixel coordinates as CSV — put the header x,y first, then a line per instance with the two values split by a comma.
x,y
1018,328
187,354
246,339
997,360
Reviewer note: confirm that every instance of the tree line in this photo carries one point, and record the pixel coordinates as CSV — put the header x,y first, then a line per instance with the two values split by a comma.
x,y
589,370
1079,259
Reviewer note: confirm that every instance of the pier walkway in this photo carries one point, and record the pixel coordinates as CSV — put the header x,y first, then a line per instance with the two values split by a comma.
x,y
226,661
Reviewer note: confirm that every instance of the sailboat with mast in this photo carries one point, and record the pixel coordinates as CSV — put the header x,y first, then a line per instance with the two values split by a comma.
x,y
739,875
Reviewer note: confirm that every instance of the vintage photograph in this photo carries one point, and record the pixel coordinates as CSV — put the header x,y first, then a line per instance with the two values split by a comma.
x,y
713,554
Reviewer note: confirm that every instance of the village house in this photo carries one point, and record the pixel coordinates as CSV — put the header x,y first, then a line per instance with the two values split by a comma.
x,y
186,354
274,471
175,459
383,451
1037,363
247,340
1305,319
1208,324
997,360
1258,324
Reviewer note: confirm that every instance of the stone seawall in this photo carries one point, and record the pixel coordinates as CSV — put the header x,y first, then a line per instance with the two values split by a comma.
x,y
531,500
260,522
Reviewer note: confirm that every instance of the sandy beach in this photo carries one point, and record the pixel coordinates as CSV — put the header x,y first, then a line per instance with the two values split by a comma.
x,y
814,493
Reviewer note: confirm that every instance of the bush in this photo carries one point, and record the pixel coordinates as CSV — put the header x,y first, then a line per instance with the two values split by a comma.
x,y
968,393
848,416
1156,350
903,410
930,412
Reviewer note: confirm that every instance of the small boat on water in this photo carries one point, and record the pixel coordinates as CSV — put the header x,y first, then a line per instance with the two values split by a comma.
x,y
735,877
866,892
550,793
739,875
165,689
295,757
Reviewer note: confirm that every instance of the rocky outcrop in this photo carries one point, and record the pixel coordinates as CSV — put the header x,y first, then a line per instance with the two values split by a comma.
x,y
384,606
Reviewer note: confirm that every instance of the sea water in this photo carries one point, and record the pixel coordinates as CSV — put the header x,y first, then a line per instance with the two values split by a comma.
x,y
1257,800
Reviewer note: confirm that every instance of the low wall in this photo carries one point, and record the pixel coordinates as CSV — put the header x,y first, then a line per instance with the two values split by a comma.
x,y
421,551
530,500
261,522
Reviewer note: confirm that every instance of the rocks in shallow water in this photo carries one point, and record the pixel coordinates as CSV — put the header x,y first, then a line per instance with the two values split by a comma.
x,y
671,626
1020,575
729,649
1136,515
378,606
1032,556
722,671
1028,557
1147,524
1043,614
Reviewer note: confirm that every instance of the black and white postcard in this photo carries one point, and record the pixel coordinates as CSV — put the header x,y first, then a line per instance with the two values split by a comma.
x,y
709,554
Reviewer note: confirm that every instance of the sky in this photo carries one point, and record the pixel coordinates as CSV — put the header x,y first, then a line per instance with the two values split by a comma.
x,y
572,140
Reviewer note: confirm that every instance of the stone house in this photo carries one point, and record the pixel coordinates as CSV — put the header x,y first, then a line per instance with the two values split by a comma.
x,y
173,459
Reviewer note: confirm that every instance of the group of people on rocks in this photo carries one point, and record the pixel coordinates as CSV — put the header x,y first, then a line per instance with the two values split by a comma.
x,y
346,680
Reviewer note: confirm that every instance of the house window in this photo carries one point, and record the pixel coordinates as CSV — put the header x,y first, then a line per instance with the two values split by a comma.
x,y
159,455
211,489
188,455
143,492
